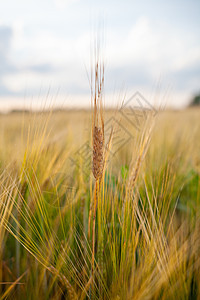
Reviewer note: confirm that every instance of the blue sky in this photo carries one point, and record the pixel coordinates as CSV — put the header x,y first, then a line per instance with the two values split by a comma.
x,y
46,44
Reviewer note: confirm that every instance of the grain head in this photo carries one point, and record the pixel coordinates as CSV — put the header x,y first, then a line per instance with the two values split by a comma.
x,y
98,153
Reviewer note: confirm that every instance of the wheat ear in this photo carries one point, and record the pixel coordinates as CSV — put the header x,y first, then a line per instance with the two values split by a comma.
x,y
98,150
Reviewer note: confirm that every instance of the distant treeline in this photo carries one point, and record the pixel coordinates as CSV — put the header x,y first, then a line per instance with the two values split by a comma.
x,y
195,101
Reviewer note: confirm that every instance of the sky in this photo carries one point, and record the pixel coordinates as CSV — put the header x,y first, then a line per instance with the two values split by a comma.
x,y
148,46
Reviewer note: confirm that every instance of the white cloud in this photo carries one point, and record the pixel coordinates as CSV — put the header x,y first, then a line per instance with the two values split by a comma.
x,y
61,4
143,47
144,44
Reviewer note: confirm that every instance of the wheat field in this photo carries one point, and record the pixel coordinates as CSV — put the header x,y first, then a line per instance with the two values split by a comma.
x,y
130,233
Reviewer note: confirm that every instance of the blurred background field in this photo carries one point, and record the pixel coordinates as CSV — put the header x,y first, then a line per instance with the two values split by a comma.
x,y
71,128
148,243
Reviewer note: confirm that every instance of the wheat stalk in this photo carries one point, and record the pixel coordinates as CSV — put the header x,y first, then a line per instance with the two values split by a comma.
x,y
100,150
98,146
98,160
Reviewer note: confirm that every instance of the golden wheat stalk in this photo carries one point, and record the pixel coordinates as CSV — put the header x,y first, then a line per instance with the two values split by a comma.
x,y
98,149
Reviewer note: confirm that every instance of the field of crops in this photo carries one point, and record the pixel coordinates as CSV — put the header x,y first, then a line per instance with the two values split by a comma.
x,y
129,229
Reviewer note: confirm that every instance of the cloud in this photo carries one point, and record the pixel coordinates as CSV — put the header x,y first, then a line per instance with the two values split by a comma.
x,y
147,52
134,57
187,78
68,78
63,3
5,45
157,48
41,68
5,65
14,74
5,37
129,75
